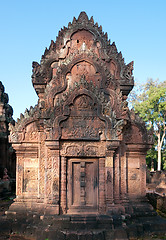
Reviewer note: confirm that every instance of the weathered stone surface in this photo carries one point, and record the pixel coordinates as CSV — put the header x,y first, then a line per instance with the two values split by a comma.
x,y
7,154
62,227
80,150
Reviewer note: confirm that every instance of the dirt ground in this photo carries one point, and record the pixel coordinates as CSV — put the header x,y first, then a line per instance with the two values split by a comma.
x,y
14,237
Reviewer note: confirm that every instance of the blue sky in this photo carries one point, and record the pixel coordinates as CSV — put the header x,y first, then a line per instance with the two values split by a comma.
x,y
138,28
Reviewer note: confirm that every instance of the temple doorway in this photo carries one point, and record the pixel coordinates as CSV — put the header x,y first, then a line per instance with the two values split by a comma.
x,y
82,185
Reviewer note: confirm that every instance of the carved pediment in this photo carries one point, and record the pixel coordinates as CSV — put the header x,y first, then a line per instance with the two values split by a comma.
x,y
82,40
81,82
83,122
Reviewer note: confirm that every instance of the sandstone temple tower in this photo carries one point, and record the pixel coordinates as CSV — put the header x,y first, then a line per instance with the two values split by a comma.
x,y
80,149
7,157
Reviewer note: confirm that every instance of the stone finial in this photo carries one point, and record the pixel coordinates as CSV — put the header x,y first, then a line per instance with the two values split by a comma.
x,y
83,17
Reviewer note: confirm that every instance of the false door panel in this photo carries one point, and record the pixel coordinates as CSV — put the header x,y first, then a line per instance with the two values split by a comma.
x,y
82,185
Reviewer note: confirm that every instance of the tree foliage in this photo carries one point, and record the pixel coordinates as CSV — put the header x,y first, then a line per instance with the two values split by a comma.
x,y
149,100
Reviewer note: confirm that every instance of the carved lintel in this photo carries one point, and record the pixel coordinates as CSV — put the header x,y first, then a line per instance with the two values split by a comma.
x,y
83,149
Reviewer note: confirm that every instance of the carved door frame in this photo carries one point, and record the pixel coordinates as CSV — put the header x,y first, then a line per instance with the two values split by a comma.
x,y
82,185
82,150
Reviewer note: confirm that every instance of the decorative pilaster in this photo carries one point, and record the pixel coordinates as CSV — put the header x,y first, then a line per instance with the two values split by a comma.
x,y
19,176
52,173
116,178
102,185
143,173
123,170
43,152
109,177
63,184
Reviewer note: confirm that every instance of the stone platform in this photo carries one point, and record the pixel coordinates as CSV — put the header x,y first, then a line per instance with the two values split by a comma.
x,y
79,227
142,223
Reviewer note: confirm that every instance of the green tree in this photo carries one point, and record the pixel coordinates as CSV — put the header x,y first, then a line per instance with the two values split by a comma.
x,y
149,101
